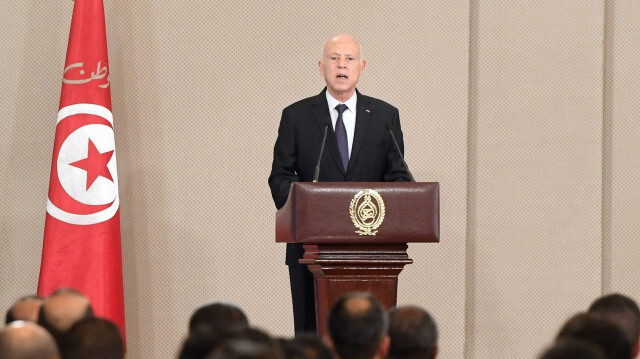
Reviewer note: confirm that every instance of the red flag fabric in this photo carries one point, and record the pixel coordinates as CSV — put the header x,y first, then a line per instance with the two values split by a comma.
x,y
82,248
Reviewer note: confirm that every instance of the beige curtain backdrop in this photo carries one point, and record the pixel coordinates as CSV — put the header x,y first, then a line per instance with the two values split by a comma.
x,y
524,111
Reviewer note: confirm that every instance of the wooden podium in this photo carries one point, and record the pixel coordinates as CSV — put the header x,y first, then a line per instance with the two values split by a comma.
x,y
355,234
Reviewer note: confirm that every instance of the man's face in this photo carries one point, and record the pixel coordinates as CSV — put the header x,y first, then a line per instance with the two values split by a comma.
x,y
341,66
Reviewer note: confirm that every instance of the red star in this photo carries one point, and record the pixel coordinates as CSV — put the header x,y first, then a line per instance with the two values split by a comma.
x,y
95,164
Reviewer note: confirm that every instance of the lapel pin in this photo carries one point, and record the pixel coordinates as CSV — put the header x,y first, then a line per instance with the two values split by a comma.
x,y
368,110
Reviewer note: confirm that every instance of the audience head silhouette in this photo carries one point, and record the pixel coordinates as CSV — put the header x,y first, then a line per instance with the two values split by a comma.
x,y
251,343
413,334
61,310
306,346
608,336
210,326
358,327
219,316
93,338
25,308
573,349
27,340
622,311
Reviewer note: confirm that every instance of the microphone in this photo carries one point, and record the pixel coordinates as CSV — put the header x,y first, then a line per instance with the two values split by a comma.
x,y
388,125
316,173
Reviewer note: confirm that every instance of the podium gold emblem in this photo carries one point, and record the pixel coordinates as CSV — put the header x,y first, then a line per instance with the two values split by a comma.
x,y
367,212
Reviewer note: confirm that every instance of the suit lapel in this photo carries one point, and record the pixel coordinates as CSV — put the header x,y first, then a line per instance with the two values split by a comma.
x,y
363,120
322,117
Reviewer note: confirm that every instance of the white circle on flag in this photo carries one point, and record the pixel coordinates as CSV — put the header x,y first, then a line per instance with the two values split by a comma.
x,y
74,180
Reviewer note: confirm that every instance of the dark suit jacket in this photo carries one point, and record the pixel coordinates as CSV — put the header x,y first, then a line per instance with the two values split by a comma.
x,y
374,157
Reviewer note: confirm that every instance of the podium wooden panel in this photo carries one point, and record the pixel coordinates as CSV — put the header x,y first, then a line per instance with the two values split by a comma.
x,y
341,260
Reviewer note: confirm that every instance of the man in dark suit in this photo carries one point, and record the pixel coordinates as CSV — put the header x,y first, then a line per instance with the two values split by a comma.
x,y
358,148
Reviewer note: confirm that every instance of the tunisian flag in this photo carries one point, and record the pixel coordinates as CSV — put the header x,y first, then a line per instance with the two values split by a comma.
x,y
82,230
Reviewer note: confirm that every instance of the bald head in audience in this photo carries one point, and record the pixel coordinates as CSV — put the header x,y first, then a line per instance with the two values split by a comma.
x,y
62,309
25,308
26,340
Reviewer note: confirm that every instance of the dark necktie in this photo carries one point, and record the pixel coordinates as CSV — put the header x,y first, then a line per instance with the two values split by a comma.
x,y
341,136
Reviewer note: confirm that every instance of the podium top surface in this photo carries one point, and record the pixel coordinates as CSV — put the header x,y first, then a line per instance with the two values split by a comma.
x,y
360,212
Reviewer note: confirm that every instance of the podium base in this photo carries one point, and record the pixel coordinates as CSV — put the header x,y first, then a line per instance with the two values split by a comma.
x,y
341,268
